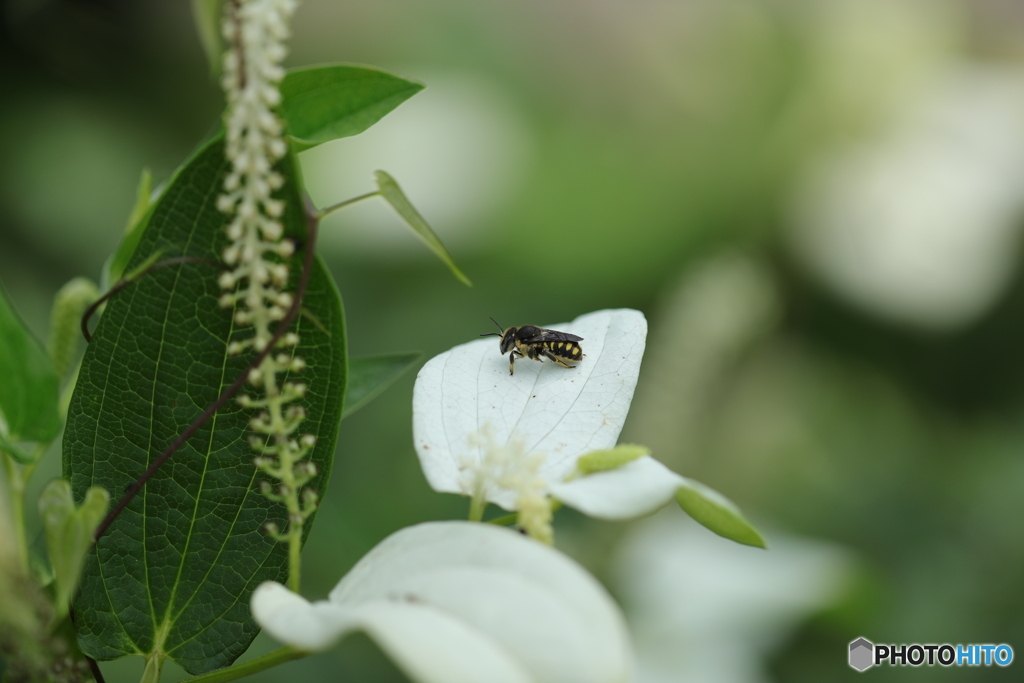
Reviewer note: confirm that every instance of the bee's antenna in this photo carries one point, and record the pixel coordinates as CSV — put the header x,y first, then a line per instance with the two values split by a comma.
x,y
495,334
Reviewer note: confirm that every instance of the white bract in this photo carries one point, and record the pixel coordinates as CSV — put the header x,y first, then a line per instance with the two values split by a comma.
x,y
507,438
456,601
517,440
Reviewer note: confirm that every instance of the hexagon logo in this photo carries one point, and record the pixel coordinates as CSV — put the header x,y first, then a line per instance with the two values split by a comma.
x,y
862,654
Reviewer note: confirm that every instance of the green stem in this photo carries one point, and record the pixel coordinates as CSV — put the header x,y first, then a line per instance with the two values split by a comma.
x,y
232,673
17,478
341,205
154,665
294,557
477,505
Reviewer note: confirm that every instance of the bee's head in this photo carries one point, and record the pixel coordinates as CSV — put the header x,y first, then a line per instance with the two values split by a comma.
x,y
508,340
508,337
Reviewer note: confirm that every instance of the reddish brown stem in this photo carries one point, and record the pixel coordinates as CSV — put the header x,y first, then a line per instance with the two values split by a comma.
x,y
122,284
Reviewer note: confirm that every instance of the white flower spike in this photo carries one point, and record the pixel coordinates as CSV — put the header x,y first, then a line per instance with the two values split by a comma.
x,y
455,601
517,440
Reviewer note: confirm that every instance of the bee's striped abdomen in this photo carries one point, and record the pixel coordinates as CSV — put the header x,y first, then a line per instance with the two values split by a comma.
x,y
565,350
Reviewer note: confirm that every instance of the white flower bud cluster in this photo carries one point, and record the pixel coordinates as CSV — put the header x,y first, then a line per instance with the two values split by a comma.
x,y
255,31
511,468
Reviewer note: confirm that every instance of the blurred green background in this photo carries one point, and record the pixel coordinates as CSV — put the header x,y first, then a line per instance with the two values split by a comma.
x,y
817,204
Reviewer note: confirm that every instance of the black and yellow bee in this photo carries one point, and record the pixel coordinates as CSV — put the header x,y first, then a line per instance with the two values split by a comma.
x,y
536,343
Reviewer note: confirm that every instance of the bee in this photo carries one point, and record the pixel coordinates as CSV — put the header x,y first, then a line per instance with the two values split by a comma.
x,y
536,343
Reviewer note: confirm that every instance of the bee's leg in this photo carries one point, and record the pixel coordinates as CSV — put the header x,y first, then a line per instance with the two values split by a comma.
x,y
512,362
552,357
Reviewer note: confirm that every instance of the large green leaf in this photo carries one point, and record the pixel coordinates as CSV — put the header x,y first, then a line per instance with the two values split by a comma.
x,y
174,572
369,376
324,103
28,382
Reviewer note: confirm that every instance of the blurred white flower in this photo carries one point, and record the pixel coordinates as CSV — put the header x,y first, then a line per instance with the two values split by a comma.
x,y
456,601
922,224
703,611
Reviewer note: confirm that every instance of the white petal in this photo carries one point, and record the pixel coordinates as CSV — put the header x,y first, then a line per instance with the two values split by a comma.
x,y
637,488
454,601
559,412
426,643
293,620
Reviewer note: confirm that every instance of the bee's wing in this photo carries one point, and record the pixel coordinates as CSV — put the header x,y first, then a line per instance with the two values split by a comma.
x,y
552,335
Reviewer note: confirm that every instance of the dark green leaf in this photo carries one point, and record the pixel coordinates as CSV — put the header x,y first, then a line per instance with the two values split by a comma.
x,y
391,192
207,15
368,377
175,570
717,513
28,382
324,103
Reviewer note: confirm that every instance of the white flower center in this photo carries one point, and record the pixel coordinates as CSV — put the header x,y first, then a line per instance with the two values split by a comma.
x,y
509,467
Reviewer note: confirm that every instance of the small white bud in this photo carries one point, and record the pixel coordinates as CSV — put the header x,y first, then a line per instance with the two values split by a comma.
x,y
274,208
226,280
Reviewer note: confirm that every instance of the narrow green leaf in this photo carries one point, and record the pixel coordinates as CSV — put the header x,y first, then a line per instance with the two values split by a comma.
x,y
610,458
207,15
65,322
368,377
174,572
324,103
15,451
28,382
390,190
133,233
717,513
69,535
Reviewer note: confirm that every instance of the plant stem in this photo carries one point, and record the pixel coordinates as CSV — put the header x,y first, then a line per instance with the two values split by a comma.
x,y
17,477
154,665
341,205
294,558
271,659
477,505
